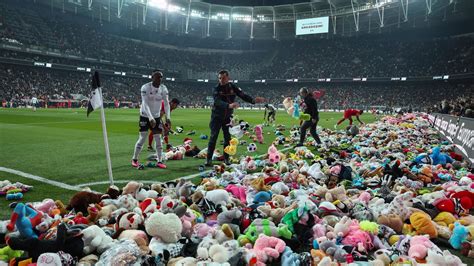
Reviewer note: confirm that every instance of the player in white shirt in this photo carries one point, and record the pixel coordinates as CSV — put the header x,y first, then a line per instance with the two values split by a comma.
x,y
34,102
153,93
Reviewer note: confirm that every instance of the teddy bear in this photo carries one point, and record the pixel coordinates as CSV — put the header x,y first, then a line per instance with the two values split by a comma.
x,y
273,155
132,188
143,194
209,249
166,227
232,218
267,249
95,239
419,246
259,133
138,236
277,208
330,248
425,174
342,227
338,197
280,188
423,224
391,220
184,189
81,200
445,258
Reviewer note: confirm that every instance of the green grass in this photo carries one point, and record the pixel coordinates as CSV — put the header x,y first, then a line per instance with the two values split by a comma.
x,y
66,146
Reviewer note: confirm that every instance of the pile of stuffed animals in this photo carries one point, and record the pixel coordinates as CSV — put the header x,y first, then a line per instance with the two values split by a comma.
x,y
13,191
393,194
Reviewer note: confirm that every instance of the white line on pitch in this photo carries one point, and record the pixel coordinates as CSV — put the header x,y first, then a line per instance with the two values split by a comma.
x,y
40,179
115,181
48,123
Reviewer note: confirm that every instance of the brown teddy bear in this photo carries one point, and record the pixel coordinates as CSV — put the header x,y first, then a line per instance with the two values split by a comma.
x,y
81,200
131,188
338,196
279,209
391,220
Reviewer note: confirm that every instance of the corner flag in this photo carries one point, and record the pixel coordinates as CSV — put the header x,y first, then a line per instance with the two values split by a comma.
x,y
95,100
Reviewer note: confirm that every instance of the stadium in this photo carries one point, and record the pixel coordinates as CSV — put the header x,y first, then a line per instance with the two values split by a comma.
x,y
236,132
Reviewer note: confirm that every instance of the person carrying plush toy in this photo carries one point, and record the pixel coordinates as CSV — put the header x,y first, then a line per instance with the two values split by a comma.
x,y
312,110
224,95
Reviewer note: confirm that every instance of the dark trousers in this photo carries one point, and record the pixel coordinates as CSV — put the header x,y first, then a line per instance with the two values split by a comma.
x,y
215,125
312,129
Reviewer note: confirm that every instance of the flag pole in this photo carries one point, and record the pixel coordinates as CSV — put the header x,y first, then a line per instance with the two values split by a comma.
x,y
106,141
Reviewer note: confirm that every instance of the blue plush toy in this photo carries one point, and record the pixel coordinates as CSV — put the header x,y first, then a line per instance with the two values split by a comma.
x,y
459,235
423,158
14,196
25,218
440,158
289,258
296,110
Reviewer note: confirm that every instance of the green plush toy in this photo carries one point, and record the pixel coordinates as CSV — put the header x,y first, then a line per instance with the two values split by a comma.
x,y
294,216
305,117
263,226
6,253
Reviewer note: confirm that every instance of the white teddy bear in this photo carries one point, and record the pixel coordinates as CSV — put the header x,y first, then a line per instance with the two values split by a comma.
x,y
95,239
167,227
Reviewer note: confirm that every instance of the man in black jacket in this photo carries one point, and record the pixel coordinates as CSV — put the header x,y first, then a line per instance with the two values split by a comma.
x,y
312,110
224,104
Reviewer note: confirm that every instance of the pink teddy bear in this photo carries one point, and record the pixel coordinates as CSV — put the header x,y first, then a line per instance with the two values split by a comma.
x,y
419,247
259,133
238,191
187,221
273,154
267,248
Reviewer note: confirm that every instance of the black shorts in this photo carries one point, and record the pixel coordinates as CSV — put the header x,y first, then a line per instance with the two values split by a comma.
x,y
145,125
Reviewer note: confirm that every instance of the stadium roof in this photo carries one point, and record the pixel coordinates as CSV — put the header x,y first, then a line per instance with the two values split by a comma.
x,y
267,19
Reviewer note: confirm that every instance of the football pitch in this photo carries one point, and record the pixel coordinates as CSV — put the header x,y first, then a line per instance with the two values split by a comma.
x,y
65,146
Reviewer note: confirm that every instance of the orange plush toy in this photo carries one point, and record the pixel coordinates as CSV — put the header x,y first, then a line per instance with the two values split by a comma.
x,y
422,224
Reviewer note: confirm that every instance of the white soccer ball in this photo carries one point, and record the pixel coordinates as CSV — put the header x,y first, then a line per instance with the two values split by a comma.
x,y
252,147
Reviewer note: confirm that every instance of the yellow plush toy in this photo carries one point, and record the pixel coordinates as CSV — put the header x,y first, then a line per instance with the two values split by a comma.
x,y
423,225
232,148
444,218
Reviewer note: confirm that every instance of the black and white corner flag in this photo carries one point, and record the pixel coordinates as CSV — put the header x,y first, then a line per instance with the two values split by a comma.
x,y
95,99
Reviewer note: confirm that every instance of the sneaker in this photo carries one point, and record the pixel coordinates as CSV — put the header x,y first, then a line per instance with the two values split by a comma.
x,y
208,164
135,163
299,145
161,165
150,148
227,162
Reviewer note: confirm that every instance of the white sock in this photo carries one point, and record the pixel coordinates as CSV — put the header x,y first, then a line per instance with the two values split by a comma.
x,y
139,145
158,147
